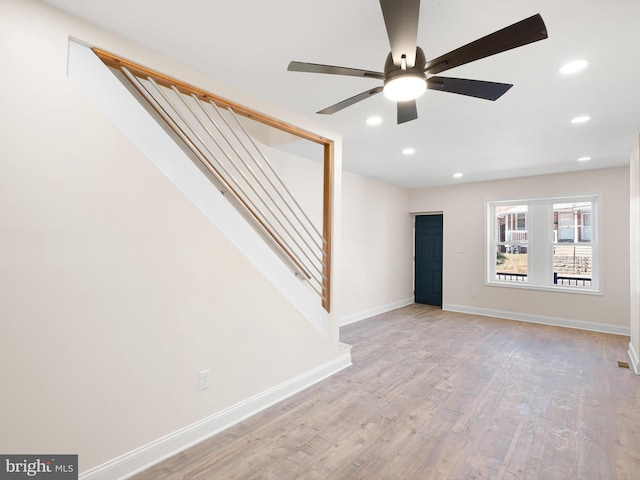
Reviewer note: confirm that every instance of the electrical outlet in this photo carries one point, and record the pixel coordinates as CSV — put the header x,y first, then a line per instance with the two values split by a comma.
x,y
203,379
474,292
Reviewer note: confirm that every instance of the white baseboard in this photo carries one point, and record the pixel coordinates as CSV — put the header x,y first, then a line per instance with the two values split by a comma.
x,y
635,359
544,320
356,317
144,457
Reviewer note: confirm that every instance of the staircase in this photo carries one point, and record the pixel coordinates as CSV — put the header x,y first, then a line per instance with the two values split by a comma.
x,y
214,133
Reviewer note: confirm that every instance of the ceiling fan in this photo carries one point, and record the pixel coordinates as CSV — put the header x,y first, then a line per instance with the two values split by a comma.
x,y
407,73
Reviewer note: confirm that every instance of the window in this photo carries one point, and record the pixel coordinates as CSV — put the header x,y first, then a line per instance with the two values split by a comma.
x,y
548,243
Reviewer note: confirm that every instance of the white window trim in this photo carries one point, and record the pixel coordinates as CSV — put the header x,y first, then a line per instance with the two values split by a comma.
x,y
542,247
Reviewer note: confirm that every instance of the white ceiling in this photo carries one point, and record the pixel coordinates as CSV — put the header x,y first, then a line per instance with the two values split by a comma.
x,y
249,44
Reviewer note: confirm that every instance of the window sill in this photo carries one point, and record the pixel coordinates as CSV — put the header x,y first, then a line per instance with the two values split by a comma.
x,y
546,288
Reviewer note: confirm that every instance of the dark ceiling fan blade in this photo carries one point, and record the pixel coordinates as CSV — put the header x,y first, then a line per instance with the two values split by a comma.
x,y
471,88
333,70
350,101
522,33
407,111
401,20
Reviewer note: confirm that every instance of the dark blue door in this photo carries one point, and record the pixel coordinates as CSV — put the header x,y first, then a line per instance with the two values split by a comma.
x,y
428,262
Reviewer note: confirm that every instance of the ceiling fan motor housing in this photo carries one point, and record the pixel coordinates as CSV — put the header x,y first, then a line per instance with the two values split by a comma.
x,y
391,70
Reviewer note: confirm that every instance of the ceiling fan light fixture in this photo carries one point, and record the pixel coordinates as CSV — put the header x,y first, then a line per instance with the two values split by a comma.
x,y
405,87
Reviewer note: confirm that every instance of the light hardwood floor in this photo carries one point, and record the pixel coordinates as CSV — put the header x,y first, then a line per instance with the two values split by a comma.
x,y
439,395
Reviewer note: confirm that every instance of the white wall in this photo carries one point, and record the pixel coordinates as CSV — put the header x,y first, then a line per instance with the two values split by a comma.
x,y
377,248
376,267
114,289
634,260
463,207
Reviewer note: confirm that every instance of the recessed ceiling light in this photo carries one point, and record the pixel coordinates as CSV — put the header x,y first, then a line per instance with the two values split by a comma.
x,y
581,119
374,121
408,151
584,159
457,175
573,67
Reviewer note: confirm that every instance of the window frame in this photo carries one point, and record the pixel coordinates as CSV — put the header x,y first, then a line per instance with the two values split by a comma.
x,y
540,243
